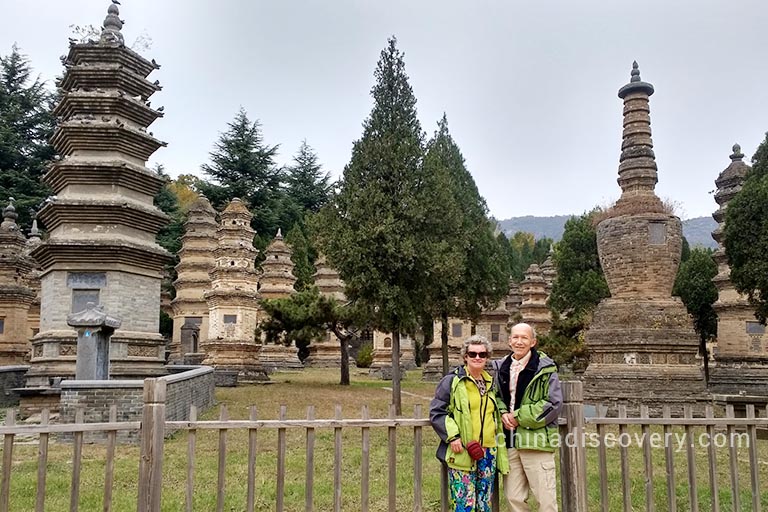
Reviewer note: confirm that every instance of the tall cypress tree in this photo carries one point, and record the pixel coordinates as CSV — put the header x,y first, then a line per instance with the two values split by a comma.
x,y
26,124
372,231
470,268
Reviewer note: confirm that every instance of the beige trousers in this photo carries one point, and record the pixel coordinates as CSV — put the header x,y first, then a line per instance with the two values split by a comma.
x,y
534,471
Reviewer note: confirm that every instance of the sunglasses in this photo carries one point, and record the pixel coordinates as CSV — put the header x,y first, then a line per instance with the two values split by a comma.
x,y
475,355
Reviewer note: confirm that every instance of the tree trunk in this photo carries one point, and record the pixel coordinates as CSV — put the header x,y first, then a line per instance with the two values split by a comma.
x,y
344,346
705,354
396,369
444,341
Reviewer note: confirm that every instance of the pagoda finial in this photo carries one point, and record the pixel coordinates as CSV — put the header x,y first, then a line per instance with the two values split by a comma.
x,y
110,33
635,85
34,232
279,235
10,216
737,154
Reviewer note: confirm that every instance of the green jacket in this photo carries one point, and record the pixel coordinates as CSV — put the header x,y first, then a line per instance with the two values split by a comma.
x,y
450,417
536,405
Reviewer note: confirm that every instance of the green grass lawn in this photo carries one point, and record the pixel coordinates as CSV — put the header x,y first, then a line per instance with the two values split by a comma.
x,y
319,388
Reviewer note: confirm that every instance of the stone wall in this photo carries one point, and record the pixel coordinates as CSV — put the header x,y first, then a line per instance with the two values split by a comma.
x,y
11,377
192,387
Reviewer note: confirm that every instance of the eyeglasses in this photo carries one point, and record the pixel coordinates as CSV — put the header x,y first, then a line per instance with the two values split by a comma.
x,y
475,355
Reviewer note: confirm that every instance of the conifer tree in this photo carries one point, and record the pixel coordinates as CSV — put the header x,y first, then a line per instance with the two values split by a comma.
x,y
305,182
26,125
373,230
470,268
243,166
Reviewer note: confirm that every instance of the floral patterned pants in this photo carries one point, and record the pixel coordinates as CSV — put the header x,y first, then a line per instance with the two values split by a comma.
x,y
471,490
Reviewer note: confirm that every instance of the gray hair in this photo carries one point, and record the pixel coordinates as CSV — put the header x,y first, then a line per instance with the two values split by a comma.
x,y
476,340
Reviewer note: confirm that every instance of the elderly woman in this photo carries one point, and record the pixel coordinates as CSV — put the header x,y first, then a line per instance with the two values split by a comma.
x,y
466,414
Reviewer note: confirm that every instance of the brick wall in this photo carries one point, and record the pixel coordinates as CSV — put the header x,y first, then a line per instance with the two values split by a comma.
x,y
192,387
11,377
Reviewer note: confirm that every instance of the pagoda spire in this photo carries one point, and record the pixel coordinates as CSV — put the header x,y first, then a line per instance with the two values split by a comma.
x,y
110,32
637,165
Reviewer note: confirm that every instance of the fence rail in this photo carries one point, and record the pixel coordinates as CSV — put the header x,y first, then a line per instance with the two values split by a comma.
x,y
682,476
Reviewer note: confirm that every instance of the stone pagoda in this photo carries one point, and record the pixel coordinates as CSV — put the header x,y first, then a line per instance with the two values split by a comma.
x,y
548,270
326,352
101,221
512,302
641,342
493,324
16,293
740,356
534,310
196,260
233,299
276,282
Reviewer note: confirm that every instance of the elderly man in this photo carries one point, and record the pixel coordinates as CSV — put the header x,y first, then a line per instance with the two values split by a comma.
x,y
530,388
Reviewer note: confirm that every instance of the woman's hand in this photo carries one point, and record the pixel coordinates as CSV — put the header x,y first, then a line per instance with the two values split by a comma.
x,y
509,420
456,446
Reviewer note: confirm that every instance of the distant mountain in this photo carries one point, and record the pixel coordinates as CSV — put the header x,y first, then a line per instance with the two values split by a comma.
x,y
697,231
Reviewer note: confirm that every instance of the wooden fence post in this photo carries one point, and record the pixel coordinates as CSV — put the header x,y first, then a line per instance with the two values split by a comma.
x,y
152,438
573,462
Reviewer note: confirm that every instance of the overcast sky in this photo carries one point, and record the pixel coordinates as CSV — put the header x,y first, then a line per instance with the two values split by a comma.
x,y
529,87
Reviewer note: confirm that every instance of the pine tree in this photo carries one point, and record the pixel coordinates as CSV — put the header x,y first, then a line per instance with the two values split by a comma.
x,y
301,258
306,184
372,231
26,124
243,166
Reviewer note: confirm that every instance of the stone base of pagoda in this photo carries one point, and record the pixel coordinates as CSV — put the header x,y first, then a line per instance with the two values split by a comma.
x,y
432,370
643,352
279,357
325,355
242,356
132,355
739,375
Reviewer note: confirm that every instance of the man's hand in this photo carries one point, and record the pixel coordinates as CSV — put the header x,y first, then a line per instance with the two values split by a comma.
x,y
509,420
456,446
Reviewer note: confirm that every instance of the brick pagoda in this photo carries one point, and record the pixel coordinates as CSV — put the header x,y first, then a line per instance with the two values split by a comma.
x,y
641,341
101,221
741,355
534,310
196,260
233,299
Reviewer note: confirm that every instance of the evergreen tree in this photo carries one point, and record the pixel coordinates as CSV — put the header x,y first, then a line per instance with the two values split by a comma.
x,y
26,125
469,269
372,231
243,166
694,286
580,284
301,258
306,184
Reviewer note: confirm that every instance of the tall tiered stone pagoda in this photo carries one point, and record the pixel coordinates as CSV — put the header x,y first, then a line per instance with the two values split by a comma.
x,y
101,221
641,342
740,357
326,353
548,269
196,260
534,310
16,294
233,300
276,282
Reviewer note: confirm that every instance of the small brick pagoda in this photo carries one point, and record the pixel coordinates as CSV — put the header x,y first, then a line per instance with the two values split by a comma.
x,y
326,353
641,342
17,294
196,260
741,354
276,282
534,309
101,221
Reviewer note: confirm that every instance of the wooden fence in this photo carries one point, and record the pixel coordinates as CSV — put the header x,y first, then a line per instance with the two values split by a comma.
x,y
586,443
